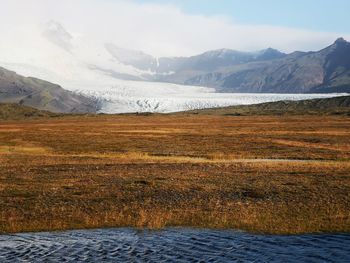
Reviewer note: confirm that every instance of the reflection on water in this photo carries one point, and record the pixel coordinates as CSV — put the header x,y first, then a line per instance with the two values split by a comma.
x,y
172,245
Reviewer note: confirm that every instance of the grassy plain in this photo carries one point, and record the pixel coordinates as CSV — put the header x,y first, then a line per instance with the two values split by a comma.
x,y
257,173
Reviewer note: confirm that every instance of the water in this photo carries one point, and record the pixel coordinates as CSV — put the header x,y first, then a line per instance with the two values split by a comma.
x,y
172,245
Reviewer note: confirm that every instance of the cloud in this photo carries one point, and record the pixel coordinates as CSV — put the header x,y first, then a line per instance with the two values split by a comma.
x,y
161,30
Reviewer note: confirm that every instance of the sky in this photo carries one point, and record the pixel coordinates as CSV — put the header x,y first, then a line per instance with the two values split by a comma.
x,y
321,15
188,27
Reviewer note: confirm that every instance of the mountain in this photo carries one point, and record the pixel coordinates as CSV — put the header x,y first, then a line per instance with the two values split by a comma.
x,y
266,71
41,94
216,59
183,70
137,59
78,63
180,70
208,61
327,70
123,80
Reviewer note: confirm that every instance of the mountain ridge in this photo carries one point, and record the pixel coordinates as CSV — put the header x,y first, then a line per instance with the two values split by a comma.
x,y
265,71
327,70
78,62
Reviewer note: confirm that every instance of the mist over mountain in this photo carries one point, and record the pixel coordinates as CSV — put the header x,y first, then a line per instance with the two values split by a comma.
x,y
77,62
87,70
41,94
266,71
206,62
327,70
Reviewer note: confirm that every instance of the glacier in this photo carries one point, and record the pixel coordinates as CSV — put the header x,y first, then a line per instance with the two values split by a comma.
x,y
136,96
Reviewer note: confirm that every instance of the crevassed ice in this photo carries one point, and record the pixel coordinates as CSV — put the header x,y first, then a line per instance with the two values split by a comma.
x,y
165,98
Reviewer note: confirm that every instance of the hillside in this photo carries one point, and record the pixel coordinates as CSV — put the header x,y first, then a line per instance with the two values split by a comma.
x,y
327,70
265,71
331,106
52,53
41,94
11,111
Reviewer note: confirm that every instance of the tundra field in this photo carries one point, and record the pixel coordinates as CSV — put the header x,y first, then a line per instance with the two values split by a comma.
x,y
283,174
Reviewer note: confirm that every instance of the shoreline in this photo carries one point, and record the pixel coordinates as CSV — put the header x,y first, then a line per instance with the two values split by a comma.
x,y
175,228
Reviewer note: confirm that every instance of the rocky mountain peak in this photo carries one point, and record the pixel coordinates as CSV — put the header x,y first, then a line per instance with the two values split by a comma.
x,y
340,41
270,53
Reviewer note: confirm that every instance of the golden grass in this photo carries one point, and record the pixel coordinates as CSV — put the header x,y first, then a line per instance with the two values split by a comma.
x,y
263,174
22,149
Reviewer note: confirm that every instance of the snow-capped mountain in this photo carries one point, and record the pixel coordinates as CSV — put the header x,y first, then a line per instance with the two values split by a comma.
x,y
121,79
52,53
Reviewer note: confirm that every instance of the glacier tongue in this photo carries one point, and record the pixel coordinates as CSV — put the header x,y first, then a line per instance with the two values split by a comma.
x,y
136,96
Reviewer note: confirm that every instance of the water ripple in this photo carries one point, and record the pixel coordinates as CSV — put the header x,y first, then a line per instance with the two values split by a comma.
x,y
171,245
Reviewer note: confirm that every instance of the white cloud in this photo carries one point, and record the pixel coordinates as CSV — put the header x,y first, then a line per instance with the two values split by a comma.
x,y
162,30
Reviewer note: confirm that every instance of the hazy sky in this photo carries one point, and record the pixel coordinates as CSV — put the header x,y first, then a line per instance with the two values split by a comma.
x,y
321,15
187,27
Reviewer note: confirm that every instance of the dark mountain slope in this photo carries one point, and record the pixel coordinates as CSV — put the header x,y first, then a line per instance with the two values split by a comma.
x,y
41,94
180,69
336,67
266,71
216,59
207,68
327,70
